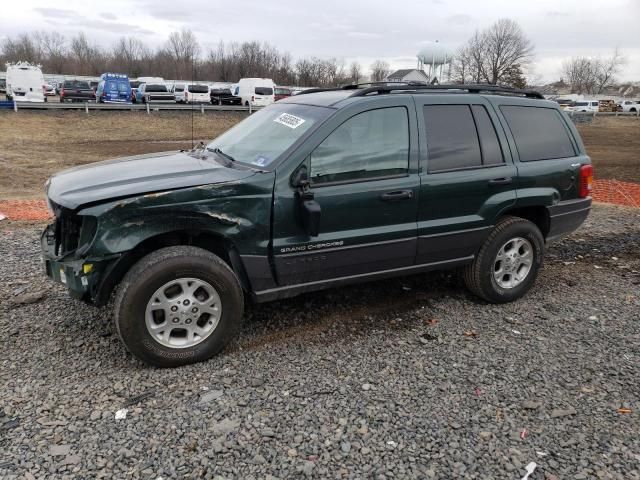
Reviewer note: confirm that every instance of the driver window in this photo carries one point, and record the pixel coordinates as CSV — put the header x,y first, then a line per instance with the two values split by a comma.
x,y
369,145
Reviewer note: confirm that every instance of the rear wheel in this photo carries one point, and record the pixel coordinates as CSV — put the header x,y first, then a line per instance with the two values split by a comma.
x,y
178,305
508,262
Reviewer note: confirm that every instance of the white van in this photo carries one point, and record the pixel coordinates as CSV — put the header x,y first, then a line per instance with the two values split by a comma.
x,y
25,83
192,93
258,92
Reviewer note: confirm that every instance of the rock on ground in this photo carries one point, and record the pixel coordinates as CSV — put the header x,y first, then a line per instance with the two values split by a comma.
x,y
287,399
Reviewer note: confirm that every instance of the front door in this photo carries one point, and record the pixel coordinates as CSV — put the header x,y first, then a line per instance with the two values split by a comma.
x,y
364,177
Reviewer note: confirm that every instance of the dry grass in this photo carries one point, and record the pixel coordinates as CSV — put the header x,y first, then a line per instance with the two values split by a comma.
x,y
33,145
614,146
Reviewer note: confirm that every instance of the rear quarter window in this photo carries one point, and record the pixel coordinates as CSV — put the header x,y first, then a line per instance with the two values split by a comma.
x,y
540,133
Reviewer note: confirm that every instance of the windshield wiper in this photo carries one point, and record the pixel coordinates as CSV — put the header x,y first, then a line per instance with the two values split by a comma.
x,y
222,154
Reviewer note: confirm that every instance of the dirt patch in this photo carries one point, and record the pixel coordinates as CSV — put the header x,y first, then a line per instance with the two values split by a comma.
x,y
34,145
614,146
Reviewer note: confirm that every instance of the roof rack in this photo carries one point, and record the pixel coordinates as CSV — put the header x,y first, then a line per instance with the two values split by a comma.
x,y
380,88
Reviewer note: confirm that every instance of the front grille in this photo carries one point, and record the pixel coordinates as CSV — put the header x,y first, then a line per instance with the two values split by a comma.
x,y
66,230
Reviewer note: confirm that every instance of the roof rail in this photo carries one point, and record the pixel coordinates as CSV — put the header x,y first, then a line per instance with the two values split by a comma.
x,y
360,90
470,88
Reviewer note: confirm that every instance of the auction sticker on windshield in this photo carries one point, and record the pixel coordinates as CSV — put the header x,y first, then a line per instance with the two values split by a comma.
x,y
289,120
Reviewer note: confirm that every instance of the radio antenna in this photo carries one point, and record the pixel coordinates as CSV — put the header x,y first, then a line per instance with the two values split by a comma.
x,y
192,102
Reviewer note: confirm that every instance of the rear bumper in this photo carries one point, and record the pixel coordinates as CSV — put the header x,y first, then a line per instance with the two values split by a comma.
x,y
567,216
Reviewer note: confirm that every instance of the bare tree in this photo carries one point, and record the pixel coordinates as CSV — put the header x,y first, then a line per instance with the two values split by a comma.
x,y
52,46
379,70
89,59
592,75
183,48
489,56
607,69
130,56
504,45
23,48
355,72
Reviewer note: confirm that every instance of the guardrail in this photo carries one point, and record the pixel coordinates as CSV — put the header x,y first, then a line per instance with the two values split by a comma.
x,y
148,107
604,114
588,117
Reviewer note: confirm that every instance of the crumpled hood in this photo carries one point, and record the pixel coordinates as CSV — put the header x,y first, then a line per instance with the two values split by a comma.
x,y
137,175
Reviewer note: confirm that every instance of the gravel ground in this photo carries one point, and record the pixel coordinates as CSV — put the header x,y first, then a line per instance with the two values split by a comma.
x,y
410,377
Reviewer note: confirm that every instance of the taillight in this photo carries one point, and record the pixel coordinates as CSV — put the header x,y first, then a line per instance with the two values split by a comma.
x,y
186,95
253,99
586,180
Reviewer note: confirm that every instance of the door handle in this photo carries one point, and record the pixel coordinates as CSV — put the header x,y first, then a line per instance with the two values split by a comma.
x,y
501,181
396,195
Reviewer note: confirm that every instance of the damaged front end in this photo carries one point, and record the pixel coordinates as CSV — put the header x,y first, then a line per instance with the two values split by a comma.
x,y
65,244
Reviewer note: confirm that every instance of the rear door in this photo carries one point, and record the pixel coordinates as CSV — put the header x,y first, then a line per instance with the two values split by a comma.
x,y
363,174
467,176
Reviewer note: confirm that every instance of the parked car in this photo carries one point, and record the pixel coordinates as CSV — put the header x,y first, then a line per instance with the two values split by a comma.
x,y
154,93
76,91
629,106
49,90
3,85
584,106
255,91
113,88
191,93
316,191
223,96
25,83
281,92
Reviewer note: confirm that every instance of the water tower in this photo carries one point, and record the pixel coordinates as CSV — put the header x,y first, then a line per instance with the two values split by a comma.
x,y
433,59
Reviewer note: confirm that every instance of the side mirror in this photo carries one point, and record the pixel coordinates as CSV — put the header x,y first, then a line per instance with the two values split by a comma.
x,y
309,209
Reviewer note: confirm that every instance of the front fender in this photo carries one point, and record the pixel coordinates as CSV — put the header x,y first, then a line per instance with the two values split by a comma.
x,y
238,212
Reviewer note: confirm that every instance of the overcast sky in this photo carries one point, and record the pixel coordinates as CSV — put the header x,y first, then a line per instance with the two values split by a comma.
x,y
363,31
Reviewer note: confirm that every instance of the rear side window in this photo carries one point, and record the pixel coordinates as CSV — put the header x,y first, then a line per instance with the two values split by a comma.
x,y
452,140
264,91
539,133
367,146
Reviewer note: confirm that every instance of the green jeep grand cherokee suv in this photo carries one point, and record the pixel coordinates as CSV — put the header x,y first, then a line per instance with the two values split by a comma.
x,y
318,190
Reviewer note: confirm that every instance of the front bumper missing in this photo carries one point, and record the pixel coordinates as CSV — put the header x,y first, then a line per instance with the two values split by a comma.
x,y
70,271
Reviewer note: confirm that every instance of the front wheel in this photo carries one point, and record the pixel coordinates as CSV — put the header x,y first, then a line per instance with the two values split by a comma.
x,y
178,305
508,262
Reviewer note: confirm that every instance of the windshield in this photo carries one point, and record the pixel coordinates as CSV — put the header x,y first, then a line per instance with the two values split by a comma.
x,y
264,91
266,134
155,88
283,91
198,89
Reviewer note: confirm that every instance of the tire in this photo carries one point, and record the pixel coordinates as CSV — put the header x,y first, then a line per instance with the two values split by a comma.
x,y
246,104
164,267
480,276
